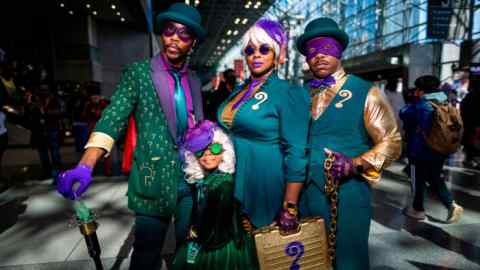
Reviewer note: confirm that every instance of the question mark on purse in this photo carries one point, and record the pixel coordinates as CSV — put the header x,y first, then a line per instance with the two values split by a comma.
x,y
295,249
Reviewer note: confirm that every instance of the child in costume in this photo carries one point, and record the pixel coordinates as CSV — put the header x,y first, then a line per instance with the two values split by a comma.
x,y
216,239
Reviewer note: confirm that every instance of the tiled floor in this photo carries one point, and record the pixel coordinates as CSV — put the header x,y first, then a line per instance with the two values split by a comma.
x,y
34,230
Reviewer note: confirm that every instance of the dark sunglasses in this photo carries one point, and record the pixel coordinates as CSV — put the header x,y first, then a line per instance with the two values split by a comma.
x,y
182,32
215,149
264,49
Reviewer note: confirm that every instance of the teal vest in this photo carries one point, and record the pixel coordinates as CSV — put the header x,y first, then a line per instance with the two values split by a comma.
x,y
340,128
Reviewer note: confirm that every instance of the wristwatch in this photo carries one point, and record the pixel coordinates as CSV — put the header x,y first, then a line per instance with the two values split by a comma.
x,y
358,166
291,208
359,169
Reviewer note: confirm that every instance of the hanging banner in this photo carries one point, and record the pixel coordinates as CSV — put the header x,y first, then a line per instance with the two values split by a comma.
x,y
439,18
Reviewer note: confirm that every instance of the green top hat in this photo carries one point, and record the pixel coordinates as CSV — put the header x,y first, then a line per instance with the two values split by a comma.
x,y
322,27
184,14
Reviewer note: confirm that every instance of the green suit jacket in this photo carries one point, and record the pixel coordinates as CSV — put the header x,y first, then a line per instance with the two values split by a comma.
x,y
156,168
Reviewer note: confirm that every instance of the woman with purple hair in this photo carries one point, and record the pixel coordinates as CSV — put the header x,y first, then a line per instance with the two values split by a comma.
x,y
261,117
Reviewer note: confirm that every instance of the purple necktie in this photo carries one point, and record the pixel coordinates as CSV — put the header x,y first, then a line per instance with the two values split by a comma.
x,y
253,84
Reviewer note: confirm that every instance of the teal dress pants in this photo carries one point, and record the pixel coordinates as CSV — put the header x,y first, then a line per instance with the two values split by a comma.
x,y
150,231
353,221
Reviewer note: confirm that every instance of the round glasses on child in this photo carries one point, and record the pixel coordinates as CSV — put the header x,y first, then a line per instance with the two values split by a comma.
x,y
215,149
264,49
182,32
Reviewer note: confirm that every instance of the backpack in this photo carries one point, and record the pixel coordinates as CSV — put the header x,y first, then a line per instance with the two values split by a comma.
x,y
447,129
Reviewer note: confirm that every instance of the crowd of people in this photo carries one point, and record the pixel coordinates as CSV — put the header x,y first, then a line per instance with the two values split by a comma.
x,y
250,154
49,112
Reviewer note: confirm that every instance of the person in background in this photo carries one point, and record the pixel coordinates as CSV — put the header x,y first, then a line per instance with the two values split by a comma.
x,y
227,84
3,147
77,106
426,164
471,123
43,115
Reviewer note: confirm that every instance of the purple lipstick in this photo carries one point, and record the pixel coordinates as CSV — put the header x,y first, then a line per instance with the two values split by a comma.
x,y
257,64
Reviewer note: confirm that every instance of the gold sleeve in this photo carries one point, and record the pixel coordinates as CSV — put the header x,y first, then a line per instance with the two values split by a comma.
x,y
383,130
100,140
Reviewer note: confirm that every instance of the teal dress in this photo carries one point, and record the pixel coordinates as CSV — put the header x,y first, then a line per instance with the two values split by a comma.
x,y
269,135
216,220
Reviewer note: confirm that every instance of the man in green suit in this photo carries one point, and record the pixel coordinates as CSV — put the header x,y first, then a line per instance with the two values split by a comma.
x,y
352,125
165,99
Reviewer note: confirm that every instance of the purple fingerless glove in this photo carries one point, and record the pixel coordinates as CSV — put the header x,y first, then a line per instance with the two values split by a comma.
x,y
82,174
342,167
287,219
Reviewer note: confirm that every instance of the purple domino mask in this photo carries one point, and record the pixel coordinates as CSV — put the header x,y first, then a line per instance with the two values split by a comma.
x,y
323,45
199,137
273,30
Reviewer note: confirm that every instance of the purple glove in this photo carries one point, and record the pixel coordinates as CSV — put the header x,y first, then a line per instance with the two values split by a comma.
x,y
82,174
342,167
287,219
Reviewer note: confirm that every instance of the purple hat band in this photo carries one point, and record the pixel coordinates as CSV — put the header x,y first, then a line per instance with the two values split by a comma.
x,y
199,137
274,30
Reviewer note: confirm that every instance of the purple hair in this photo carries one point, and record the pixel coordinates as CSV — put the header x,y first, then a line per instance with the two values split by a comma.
x,y
274,30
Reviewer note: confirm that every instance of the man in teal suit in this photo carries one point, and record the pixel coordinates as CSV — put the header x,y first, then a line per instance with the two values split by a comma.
x,y
350,121
164,97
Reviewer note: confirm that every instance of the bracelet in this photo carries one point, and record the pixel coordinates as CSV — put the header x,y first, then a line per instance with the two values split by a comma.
x,y
291,208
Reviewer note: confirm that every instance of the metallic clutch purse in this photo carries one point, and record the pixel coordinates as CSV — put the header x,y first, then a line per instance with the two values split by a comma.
x,y
305,249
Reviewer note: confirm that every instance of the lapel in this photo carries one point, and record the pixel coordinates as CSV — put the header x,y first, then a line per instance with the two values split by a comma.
x,y
222,106
327,96
195,91
160,81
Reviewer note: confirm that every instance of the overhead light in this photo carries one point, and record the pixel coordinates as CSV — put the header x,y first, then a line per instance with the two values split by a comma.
x,y
228,41
223,40
118,13
88,5
245,21
70,12
197,2
122,19
62,5
187,2
114,7
235,32
95,12
237,20
229,32
248,4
